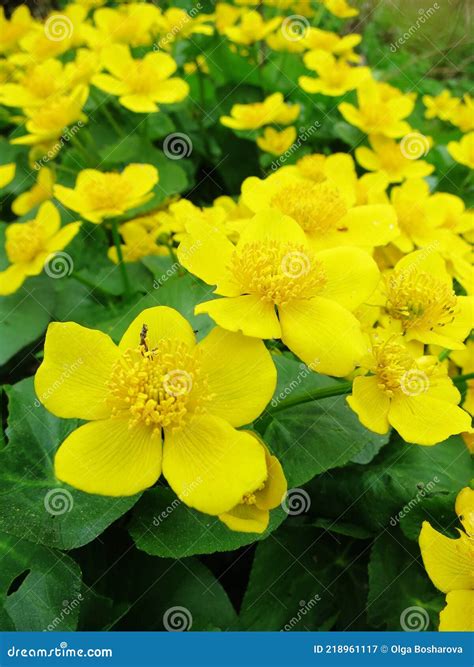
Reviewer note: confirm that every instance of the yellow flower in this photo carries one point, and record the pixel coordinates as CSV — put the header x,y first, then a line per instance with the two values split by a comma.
x,y
381,110
414,395
463,115
448,563
59,33
275,142
463,151
173,220
252,514
35,86
422,304
279,42
317,39
440,106
140,84
99,195
225,16
176,23
40,192
391,158
340,8
251,28
138,242
336,77
7,174
159,402
272,269
252,116
11,31
131,24
323,208
46,124
29,244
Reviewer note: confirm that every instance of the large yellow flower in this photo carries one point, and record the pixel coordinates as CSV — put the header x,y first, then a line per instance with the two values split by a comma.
x,y
11,31
322,205
449,564
35,85
158,402
99,195
251,28
414,395
252,116
29,244
340,8
463,151
391,159
274,286
381,110
138,242
130,23
422,304
463,115
317,39
140,84
335,76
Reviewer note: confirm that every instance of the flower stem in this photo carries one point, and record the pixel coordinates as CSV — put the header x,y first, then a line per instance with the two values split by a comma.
x,y
458,379
123,268
315,395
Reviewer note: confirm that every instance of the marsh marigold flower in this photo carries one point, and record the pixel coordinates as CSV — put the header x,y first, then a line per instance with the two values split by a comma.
x,y
448,563
41,191
335,76
463,115
251,28
381,110
463,151
7,174
159,402
98,195
340,8
28,245
440,106
274,142
388,157
414,395
140,84
253,116
273,286
138,242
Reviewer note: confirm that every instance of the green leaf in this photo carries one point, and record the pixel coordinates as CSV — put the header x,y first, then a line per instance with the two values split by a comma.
x,y
164,594
33,503
40,589
397,583
400,479
164,526
25,315
313,437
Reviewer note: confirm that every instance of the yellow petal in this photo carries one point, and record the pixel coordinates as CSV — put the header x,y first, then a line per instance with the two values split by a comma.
x,y
162,323
138,103
271,225
323,334
231,363
370,225
448,562
465,509
458,615
171,91
351,275
12,279
245,518
49,219
141,178
370,404
210,465
117,59
108,458
425,420
248,314
275,487
77,364
7,174
63,237
110,84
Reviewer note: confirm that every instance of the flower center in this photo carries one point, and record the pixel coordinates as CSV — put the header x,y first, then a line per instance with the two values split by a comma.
x,y
24,243
312,167
142,79
277,272
419,300
316,208
108,192
395,369
158,387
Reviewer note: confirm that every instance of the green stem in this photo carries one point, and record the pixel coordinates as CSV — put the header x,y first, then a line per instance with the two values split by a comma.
x,y
111,120
444,354
458,379
80,148
317,394
123,268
